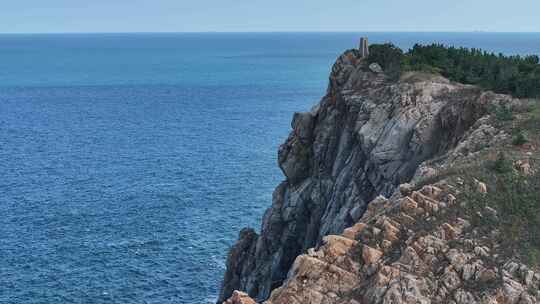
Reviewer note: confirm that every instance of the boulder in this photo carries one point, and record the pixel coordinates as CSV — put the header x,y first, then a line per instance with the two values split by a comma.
x,y
375,68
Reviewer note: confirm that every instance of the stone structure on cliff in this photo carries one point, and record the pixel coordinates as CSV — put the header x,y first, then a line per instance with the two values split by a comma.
x,y
342,160
364,47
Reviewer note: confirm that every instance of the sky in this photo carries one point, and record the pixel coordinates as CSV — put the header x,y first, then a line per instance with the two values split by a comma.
x,y
63,16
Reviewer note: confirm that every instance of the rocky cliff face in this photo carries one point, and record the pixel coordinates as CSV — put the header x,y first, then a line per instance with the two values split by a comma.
x,y
367,136
412,248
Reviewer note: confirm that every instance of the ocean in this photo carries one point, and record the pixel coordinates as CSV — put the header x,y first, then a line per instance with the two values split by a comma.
x,y
129,162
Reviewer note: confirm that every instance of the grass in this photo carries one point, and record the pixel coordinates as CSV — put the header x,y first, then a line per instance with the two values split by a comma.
x,y
532,121
516,198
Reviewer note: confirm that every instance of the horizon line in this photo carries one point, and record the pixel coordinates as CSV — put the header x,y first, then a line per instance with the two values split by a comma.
x,y
265,32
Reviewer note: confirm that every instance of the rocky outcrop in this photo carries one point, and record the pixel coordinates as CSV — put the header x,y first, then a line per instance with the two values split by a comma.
x,y
410,249
240,298
366,136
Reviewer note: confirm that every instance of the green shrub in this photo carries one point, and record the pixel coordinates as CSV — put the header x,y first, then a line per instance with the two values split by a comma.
x,y
519,139
502,164
503,113
516,75
533,256
388,56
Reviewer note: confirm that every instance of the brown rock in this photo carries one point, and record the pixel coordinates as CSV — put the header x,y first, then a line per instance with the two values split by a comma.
x,y
431,191
354,231
450,232
240,298
427,203
390,232
371,255
336,246
481,187
408,205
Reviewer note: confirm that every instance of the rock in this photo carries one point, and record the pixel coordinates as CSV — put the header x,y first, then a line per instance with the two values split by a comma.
x,y
237,255
239,298
490,211
488,275
451,233
457,259
450,279
391,232
337,246
464,297
480,186
357,212
482,251
353,231
405,189
375,68
524,167
451,199
512,291
408,205
371,255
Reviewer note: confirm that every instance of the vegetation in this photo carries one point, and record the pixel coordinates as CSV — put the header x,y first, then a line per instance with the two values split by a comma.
x,y
516,198
388,56
502,164
516,75
519,139
532,122
503,113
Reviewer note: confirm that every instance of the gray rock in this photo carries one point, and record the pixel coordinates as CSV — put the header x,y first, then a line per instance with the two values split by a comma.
x,y
375,68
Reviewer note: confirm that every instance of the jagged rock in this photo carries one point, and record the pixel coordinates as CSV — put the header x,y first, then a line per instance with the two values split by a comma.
x,y
427,269
237,255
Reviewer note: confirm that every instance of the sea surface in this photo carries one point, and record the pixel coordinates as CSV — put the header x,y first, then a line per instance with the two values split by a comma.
x,y
129,162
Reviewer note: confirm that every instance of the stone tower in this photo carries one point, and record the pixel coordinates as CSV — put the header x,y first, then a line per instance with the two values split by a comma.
x,y
364,47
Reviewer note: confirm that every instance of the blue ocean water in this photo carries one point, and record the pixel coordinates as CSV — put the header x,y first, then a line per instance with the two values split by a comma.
x,y
129,162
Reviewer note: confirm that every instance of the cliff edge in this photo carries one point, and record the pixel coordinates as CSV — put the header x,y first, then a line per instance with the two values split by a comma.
x,y
344,162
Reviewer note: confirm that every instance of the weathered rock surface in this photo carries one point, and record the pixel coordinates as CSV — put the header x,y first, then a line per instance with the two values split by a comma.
x,y
437,258
240,298
366,136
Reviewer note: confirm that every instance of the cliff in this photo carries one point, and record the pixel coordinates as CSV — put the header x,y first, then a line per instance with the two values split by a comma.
x,y
344,162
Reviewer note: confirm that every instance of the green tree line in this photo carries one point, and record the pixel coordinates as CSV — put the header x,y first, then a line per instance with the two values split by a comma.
x,y
515,75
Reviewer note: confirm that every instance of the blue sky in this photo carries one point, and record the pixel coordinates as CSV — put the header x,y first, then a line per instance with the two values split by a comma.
x,y
36,16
